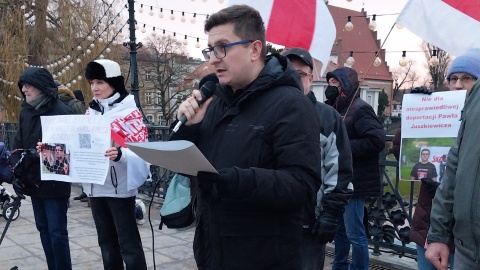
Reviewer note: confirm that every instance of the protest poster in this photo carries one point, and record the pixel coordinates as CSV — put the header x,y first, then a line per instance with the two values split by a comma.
x,y
430,125
74,148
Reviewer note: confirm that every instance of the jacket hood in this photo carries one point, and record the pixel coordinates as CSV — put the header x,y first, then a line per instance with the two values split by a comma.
x,y
64,92
39,78
348,79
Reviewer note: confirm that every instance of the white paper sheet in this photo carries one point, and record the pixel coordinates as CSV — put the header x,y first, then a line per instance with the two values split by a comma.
x,y
83,140
178,156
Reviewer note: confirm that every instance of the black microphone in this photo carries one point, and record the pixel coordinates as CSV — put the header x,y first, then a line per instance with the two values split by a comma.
x,y
207,90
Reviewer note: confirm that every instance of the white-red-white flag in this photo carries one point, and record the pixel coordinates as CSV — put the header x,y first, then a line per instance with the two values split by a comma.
x,y
297,23
451,25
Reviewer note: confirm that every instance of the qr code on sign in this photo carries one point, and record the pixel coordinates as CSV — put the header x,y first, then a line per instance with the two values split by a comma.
x,y
85,141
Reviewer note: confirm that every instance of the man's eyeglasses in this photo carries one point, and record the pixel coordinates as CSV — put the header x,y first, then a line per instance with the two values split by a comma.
x,y
303,74
220,51
463,79
58,150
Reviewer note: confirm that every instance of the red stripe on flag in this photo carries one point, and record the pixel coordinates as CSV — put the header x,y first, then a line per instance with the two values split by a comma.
x,y
292,23
468,7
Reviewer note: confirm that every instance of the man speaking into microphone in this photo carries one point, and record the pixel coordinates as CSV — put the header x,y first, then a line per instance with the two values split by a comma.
x,y
261,134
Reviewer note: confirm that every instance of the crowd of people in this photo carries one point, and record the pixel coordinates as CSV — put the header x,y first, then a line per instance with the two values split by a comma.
x,y
293,173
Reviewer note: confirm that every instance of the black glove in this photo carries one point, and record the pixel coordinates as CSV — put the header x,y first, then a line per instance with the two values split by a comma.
x,y
223,184
325,228
430,185
18,186
421,90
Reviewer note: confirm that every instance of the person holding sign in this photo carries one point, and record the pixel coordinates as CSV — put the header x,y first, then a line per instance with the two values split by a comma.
x,y
49,198
113,203
455,215
461,75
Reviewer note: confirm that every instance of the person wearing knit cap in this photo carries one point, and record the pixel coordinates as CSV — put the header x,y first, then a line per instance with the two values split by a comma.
x,y
49,198
464,71
113,203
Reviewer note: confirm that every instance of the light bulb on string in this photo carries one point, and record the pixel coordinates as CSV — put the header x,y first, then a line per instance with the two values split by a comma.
x,y
89,38
193,19
399,26
143,29
71,64
172,16
373,24
174,38
160,14
102,56
377,62
94,31
141,9
92,45
197,44
154,34
108,50
69,85
79,60
185,41
100,40
350,61
79,77
136,26
65,59
74,81
434,60
349,25
69,57
151,13
183,19
164,36
403,61
79,48
88,51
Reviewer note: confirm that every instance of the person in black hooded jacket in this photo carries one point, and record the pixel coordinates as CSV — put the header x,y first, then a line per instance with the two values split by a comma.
x,y
367,140
49,198
262,135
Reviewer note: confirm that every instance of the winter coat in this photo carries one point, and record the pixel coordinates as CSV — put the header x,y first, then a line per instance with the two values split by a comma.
x,y
269,133
455,215
366,134
67,96
129,164
30,132
336,186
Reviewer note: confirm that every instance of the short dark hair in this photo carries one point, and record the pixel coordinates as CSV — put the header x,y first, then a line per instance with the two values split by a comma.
x,y
425,150
247,23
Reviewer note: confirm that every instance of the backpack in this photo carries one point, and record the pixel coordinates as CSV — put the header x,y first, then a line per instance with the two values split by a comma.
x,y
178,208
6,173
72,102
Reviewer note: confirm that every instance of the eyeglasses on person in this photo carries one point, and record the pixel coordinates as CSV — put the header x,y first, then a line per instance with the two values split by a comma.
x,y
463,79
220,51
303,74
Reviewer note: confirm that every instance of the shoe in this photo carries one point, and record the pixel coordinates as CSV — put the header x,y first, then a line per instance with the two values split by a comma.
x,y
82,196
84,199
140,221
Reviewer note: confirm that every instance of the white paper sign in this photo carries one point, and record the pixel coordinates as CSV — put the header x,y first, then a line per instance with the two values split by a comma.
x,y
74,148
429,122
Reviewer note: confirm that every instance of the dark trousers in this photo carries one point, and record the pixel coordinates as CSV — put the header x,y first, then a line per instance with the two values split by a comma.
x,y
51,221
313,253
118,235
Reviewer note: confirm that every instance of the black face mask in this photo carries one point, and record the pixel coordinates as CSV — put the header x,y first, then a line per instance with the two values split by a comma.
x,y
331,93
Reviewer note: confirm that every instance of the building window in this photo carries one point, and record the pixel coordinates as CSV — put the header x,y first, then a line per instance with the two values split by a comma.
x,y
148,98
148,76
150,118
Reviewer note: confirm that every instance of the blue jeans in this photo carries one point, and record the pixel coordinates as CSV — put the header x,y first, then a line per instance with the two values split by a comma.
x,y
424,264
51,221
350,231
118,235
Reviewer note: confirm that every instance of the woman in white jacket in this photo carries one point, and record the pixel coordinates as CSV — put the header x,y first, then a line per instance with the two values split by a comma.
x,y
113,203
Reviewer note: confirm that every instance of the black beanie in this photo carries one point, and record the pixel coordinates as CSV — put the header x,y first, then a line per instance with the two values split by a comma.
x,y
109,71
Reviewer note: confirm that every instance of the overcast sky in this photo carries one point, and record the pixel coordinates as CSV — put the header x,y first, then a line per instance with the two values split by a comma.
x,y
399,39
